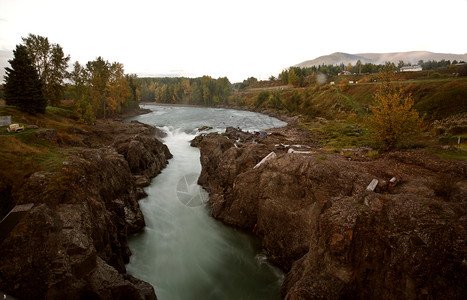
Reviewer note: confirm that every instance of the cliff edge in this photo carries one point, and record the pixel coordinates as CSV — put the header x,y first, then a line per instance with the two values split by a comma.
x,y
334,235
73,243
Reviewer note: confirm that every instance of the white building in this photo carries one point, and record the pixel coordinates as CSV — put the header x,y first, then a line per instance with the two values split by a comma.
x,y
411,69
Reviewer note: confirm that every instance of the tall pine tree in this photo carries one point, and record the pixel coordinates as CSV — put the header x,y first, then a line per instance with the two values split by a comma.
x,y
23,88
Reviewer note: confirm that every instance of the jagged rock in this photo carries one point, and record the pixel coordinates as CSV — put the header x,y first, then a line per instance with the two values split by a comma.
x,y
140,193
204,128
141,180
238,134
145,154
336,240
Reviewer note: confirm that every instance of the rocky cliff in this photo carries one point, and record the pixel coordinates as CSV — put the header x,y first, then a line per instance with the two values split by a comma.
x,y
336,239
73,243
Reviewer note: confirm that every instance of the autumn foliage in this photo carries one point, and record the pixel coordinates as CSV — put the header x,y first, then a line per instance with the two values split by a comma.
x,y
394,120
101,89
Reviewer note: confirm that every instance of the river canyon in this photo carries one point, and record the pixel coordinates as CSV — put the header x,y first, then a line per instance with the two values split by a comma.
x,y
183,252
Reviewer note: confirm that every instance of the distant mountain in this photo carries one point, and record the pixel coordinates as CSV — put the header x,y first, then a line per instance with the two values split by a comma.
x,y
334,59
380,58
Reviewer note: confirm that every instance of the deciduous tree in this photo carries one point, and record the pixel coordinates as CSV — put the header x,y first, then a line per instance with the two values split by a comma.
x,y
39,48
51,65
57,74
98,78
82,101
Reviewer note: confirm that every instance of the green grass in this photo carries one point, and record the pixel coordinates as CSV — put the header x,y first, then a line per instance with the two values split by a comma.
x,y
335,135
24,153
350,102
450,154
61,111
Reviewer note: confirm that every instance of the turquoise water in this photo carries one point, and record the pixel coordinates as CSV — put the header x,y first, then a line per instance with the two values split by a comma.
x,y
183,252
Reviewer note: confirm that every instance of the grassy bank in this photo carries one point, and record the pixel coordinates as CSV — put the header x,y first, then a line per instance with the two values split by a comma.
x,y
27,152
336,115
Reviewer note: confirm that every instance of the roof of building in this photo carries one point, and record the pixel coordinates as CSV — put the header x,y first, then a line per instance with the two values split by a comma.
x,y
411,67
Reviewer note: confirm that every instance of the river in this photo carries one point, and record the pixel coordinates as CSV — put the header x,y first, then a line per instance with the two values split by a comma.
x,y
183,252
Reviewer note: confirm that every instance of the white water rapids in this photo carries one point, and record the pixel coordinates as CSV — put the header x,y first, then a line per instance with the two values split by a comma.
x,y
183,252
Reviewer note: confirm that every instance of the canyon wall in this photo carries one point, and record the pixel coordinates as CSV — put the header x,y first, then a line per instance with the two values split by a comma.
x,y
73,243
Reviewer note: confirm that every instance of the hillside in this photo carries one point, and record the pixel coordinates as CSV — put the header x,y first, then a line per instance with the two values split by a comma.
x,y
336,115
380,58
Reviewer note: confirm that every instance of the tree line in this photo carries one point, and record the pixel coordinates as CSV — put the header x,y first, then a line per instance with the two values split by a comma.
x,y
296,75
38,73
198,91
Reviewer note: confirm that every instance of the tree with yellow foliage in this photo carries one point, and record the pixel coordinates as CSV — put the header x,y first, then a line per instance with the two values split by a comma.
x,y
394,120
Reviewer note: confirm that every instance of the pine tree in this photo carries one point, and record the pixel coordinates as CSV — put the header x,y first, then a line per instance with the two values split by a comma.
x,y
23,88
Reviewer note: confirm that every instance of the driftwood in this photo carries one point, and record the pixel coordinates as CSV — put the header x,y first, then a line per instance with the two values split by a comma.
x,y
371,187
269,156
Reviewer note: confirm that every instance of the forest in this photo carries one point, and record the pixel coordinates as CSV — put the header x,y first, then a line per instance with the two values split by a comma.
x,y
197,91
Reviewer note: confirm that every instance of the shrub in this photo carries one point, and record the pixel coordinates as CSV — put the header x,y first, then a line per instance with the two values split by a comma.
x,y
275,101
261,98
394,120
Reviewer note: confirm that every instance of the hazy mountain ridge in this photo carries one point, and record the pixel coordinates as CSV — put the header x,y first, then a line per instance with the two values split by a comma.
x,y
380,58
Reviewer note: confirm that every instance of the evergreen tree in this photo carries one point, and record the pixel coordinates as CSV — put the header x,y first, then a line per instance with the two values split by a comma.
x,y
23,87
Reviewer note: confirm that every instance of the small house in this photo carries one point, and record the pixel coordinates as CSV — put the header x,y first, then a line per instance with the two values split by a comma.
x,y
411,68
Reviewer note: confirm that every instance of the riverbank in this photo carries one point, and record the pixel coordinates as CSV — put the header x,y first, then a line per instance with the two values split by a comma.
x,y
335,235
84,182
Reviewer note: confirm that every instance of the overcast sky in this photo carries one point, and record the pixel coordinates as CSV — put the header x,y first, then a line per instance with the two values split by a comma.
x,y
237,39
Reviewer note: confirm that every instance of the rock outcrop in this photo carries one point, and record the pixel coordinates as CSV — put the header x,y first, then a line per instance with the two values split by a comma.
x,y
73,243
407,239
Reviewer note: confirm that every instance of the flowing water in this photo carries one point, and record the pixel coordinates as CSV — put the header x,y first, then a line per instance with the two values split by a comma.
x,y
183,252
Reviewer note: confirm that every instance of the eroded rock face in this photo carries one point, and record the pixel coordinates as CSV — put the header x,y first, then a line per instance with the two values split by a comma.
x,y
145,155
335,239
73,243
